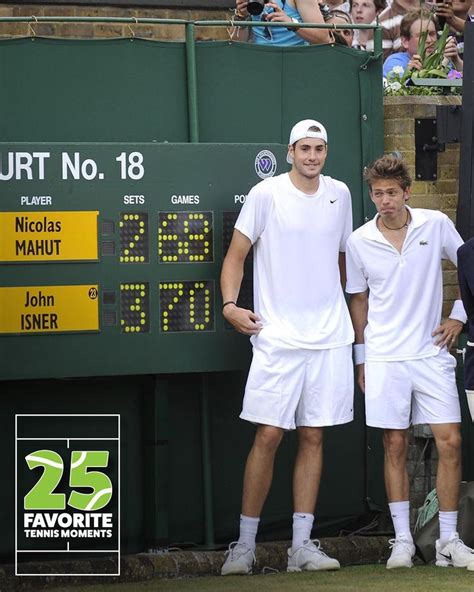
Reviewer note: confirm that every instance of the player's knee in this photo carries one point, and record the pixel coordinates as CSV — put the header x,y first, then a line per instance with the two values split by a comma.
x,y
268,437
395,443
312,437
449,446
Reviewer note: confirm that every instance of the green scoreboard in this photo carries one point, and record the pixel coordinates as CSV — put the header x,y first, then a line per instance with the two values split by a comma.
x,y
110,256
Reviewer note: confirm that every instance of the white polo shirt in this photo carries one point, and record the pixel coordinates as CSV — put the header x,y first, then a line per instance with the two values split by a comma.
x,y
405,289
297,239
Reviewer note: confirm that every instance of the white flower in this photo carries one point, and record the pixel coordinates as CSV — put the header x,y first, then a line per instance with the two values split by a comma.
x,y
394,86
398,70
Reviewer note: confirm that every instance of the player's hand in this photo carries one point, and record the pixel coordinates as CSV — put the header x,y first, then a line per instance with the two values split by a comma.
x,y
277,15
447,333
361,376
415,63
241,7
243,320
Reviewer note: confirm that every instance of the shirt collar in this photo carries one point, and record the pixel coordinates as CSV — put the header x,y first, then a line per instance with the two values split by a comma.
x,y
370,230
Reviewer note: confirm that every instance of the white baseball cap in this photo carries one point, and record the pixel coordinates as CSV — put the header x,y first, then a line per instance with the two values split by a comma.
x,y
302,130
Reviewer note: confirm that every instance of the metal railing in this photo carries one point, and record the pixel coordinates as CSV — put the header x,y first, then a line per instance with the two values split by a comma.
x,y
130,20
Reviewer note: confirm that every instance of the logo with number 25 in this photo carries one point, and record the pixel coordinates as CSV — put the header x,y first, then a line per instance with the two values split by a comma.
x,y
43,495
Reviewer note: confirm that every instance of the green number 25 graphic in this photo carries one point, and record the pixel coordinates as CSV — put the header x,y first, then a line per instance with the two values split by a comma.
x,y
42,496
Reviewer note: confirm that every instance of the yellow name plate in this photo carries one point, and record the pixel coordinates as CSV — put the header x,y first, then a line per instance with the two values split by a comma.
x,y
49,309
48,236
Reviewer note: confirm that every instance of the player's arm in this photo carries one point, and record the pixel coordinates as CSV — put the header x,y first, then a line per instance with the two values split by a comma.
x,y
342,270
245,321
447,332
358,308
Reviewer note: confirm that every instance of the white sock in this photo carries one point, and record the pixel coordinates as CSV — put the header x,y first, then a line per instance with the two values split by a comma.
x,y
400,512
248,530
448,525
302,526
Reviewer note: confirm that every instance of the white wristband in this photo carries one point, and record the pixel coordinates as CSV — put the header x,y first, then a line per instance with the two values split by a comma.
x,y
359,353
458,313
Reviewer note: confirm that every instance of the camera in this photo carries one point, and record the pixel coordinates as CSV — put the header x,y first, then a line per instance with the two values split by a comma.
x,y
441,19
325,11
255,7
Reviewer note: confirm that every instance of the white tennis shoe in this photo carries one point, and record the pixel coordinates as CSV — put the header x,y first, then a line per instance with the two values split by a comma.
x,y
402,554
240,560
310,557
454,553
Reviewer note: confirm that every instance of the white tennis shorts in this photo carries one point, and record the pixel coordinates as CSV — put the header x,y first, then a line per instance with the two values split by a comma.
x,y
289,387
423,391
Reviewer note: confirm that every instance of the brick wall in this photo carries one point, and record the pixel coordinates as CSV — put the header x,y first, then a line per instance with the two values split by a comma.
x,y
97,30
399,128
399,125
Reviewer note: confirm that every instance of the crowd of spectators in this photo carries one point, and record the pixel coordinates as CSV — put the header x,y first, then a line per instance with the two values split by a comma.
x,y
411,28
402,21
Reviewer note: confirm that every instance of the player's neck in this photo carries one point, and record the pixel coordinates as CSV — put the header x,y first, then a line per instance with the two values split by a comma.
x,y
395,228
397,221
308,185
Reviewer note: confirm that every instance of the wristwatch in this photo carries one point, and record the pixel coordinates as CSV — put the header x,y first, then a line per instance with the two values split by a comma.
x,y
294,20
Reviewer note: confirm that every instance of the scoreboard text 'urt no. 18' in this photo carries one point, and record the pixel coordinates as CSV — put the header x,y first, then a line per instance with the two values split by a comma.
x,y
111,256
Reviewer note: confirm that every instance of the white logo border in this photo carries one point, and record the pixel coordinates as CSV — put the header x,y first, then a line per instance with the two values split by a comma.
x,y
117,416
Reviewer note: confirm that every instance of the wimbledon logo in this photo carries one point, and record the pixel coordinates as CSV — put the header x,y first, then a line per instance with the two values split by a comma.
x,y
265,164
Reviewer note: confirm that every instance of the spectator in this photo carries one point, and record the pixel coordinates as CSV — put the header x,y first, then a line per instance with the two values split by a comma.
x,y
412,26
364,12
282,11
345,5
390,20
455,13
341,36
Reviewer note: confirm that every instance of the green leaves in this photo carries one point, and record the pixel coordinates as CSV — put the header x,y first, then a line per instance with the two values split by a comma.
x,y
422,42
436,73
433,64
